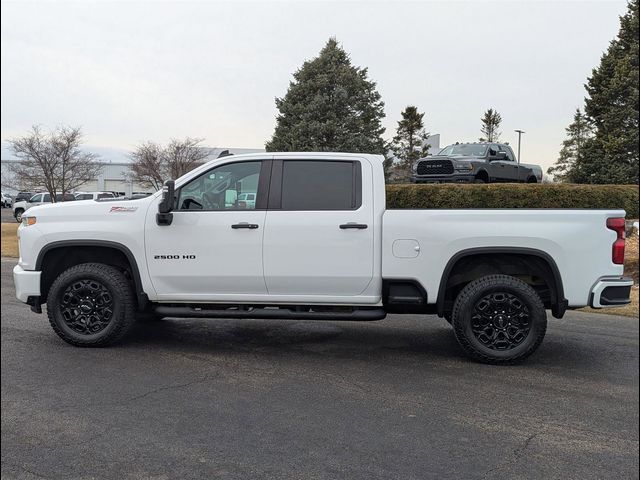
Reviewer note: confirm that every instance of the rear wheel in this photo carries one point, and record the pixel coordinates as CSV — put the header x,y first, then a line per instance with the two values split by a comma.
x,y
499,319
18,214
91,305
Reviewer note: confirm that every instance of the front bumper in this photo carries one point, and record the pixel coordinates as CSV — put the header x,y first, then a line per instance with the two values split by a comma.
x,y
453,178
611,292
27,283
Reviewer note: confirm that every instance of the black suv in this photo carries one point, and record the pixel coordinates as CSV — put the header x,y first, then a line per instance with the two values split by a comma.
x,y
474,163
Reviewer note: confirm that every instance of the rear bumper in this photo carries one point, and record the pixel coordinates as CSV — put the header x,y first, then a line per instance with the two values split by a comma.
x,y
453,178
611,292
27,283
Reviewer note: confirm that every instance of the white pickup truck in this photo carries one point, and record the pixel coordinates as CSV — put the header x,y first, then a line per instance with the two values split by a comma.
x,y
317,243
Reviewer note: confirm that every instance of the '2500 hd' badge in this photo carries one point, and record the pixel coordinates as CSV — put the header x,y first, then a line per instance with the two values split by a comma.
x,y
174,257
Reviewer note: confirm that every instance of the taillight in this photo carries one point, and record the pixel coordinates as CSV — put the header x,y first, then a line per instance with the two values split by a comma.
x,y
617,252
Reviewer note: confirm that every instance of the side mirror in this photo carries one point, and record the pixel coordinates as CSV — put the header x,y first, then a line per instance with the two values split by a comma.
x,y
501,156
165,207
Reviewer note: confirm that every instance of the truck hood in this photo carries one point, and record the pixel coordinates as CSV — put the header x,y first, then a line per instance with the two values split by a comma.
x,y
88,209
454,158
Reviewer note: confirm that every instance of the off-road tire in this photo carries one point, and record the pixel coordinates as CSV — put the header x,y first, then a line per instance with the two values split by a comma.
x,y
465,306
123,300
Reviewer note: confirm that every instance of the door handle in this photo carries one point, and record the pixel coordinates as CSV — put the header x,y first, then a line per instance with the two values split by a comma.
x,y
250,226
357,226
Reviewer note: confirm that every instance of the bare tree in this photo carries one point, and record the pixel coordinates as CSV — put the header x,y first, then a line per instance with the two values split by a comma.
x,y
146,167
153,164
491,121
53,160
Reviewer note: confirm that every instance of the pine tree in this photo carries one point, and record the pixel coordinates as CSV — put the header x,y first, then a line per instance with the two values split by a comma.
x,y
612,106
331,105
573,148
491,121
410,142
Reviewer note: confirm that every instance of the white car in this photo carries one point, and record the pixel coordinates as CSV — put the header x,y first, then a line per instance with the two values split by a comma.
x,y
317,244
247,200
93,195
38,199
7,200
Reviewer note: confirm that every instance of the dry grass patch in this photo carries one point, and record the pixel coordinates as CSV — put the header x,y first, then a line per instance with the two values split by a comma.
x,y
9,239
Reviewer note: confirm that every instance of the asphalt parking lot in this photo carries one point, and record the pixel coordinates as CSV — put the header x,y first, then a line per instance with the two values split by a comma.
x,y
309,400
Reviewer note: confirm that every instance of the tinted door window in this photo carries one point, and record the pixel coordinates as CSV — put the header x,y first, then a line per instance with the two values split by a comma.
x,y
320,185
507,150
84,196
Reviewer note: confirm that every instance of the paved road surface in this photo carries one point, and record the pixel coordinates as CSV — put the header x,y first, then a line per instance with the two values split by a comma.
x,y
276,399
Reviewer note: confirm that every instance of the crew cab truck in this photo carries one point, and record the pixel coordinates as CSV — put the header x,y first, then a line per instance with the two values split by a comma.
x,y
482,162
317,244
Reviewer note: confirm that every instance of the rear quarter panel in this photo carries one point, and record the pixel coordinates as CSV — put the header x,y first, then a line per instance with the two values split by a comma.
x,y
577,240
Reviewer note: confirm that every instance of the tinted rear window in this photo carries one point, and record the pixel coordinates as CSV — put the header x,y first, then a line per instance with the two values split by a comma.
x,y
320,185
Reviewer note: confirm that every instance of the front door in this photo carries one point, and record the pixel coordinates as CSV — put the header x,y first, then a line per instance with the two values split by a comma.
x,y
504,167
212,251
319,233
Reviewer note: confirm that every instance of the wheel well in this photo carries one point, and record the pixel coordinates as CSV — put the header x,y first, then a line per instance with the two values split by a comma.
x,y
535,270
56,260
483,175
532,179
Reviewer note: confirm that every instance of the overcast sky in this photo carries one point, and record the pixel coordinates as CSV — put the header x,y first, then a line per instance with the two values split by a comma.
x,y
129,72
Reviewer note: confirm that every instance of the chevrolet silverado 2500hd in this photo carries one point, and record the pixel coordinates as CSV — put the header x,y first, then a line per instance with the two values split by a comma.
x,y
316,244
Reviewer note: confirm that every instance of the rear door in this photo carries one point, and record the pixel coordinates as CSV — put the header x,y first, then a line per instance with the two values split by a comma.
x,y
319,235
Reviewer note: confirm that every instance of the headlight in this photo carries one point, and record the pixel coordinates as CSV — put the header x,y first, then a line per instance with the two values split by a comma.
x,y
26,221
463,166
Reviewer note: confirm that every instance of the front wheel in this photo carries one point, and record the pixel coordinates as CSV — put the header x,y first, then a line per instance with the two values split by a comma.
x,y
18,214
91,305
499,319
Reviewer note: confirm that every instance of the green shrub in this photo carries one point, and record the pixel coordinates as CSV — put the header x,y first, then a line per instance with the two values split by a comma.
x,y
445,196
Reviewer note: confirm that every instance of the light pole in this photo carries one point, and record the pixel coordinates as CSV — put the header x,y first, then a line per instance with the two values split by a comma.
x,y
520,132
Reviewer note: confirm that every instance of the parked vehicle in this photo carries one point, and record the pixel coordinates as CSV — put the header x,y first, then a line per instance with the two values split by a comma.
x,y
7,200
318,244
247,200
475,163
93,195
38,199
21,196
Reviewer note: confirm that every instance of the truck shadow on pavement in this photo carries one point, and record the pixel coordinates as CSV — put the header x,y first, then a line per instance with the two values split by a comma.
x,y
434,338
422,339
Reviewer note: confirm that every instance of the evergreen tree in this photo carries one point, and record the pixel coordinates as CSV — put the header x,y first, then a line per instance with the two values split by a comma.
x,y
410,142
573,149
612,105
331,105
491,121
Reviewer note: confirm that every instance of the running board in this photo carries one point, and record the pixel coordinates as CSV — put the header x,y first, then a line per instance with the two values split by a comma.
x,y
358,314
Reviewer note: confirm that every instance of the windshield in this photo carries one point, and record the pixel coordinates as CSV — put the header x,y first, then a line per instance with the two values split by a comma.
x,y
464,150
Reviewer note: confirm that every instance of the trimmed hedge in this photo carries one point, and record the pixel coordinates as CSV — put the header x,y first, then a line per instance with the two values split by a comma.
x,y
513,195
